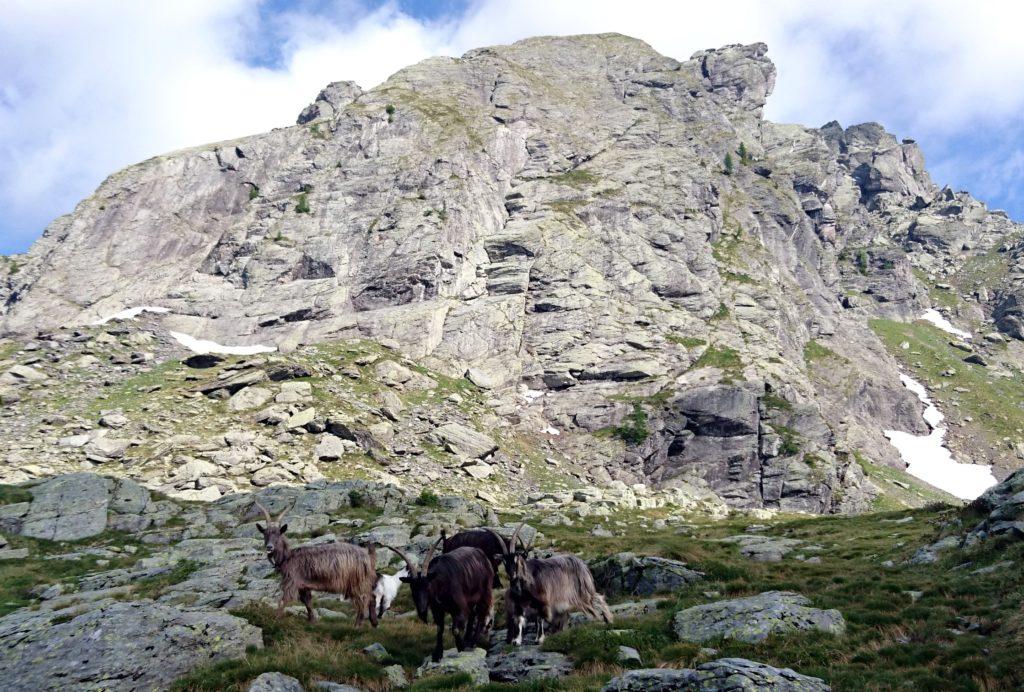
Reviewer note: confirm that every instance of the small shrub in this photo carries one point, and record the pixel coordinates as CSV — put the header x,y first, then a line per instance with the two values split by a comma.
x,y
790,440
863,262
254,191
302,204
317,132
744,154
390,110
428,498
356,499
728,164
634,431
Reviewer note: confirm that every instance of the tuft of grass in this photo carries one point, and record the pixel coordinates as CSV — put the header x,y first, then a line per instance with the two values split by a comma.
x,y
790,440
685,341
577,178
254,191
815,351
428,498
151,587
721,357
11,494
302,203
634,429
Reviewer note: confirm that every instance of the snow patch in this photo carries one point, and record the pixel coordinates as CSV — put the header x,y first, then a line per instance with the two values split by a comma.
x,y
131,314
935,317
928,459
202,346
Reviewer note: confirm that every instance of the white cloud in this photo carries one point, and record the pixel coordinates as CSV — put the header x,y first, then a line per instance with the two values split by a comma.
x,y
86,88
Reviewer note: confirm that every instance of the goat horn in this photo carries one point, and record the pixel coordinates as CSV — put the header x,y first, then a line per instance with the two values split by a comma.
x,y
265,512
515,534
501,540
401,554
430,555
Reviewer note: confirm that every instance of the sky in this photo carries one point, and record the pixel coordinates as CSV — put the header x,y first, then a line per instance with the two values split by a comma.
x,y
87,88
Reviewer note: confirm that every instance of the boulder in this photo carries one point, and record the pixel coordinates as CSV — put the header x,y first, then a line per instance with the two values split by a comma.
x,y
453,662
275,682
249,397
330,448
628,574
124,645
464,442
68,508
512,665
723,675
754,618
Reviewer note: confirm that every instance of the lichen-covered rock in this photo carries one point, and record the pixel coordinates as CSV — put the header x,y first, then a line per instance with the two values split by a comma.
x,y
68,508
127,646
275,682
511,665
754,618
628,574
723,675
473,662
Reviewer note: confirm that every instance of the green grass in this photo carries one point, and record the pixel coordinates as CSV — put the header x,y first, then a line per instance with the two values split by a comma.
x,y
814,351
577,178
634,429
154,586
791,440
428,498
992,402
302,204
11,494
722,357
685,341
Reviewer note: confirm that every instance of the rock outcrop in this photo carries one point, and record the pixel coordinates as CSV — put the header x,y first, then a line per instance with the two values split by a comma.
x,y
754,618
555,221
723,675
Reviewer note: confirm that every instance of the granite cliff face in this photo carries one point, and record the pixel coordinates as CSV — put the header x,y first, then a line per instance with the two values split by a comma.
x,y
614,244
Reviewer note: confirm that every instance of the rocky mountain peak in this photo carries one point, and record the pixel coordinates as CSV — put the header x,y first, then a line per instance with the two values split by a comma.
x,y
632,268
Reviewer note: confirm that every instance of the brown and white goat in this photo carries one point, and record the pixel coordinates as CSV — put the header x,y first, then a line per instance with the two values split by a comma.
x,y
341,568
457,584
548,589
484,539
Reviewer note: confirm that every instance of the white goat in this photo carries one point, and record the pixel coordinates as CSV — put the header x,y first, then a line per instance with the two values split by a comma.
x,y
386,588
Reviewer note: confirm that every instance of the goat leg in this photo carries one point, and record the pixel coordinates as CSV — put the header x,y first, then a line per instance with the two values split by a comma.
x,y
373,612
458,630
439,645
306,596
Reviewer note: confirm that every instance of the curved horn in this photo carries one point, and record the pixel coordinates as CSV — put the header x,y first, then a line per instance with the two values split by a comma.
x,y
515,534
501,540
401,554
430,555
263,509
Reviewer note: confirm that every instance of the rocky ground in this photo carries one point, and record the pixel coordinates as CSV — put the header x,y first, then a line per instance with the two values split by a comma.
x,y
105,585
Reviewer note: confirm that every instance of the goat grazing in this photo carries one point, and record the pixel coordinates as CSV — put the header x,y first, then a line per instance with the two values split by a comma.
x,y
548,589
340,568
457,584
386,589
483,539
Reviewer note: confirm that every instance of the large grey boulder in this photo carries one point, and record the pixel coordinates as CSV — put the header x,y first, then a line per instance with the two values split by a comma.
x,y
463,441
471,661
124,646
628,574
68,508
723,675
1003,506
754,618
275,682
521,663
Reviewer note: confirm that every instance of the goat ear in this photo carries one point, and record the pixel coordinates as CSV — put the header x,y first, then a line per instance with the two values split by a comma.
x,y
261,529
284,527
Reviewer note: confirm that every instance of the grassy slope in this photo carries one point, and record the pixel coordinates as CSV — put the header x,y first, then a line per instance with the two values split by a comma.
x,y
892,641
992,403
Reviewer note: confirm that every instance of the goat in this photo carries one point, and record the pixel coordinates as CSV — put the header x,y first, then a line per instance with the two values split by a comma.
x,y
386,589
483,539
551,588
457,584
340,568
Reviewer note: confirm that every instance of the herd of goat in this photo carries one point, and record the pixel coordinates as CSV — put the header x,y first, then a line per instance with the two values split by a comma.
x,y
458,583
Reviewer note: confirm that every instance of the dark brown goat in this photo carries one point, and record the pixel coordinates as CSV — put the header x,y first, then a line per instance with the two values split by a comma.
x,y
484,539
549,589
457,584
340,568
